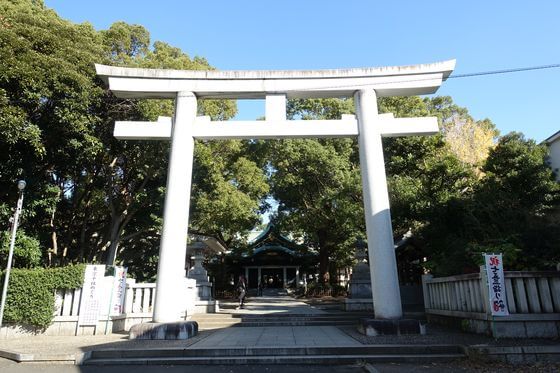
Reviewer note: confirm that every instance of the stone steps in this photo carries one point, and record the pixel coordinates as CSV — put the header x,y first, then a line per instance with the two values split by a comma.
x,y
239,324
277,355
225,320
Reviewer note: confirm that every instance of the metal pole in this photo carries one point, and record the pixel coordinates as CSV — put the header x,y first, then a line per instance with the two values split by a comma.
x,y
10,255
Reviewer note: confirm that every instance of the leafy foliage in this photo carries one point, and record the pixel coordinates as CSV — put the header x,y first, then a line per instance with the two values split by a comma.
x,y
513,209
90,197
27,251
30,298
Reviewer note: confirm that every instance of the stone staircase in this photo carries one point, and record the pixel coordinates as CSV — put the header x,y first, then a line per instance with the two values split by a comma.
x,y
220,320
284,331
277,355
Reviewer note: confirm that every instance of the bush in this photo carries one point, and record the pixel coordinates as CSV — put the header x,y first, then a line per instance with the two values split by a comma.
x,y
31,293
27,250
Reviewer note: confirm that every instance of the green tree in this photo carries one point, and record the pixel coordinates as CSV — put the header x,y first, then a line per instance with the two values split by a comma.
x,y
520,201
318,187
27,253
47,90
91,197
512,209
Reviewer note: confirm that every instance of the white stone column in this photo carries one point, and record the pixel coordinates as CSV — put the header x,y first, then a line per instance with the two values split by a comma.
x,y
172,252
275,106
382,260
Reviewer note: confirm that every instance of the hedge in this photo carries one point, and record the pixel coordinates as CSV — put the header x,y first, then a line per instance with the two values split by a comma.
x,y
31,293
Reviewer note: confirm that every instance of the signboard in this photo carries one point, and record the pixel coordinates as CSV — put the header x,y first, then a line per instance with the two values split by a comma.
x,y
92,292
119,289
496,284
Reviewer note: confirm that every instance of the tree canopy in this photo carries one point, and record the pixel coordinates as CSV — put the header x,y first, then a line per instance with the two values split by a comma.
x,y
92,198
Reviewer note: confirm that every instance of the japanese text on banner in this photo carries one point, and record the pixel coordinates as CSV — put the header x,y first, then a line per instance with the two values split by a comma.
x,y
92,292
496,284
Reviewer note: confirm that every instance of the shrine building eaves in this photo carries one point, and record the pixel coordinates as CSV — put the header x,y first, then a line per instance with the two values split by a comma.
x,y
409,80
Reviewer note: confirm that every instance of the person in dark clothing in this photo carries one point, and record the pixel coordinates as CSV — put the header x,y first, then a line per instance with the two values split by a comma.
x,y
241,288
260,288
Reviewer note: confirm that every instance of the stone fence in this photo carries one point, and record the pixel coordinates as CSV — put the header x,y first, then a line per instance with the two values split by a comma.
x,y
533,300
137,308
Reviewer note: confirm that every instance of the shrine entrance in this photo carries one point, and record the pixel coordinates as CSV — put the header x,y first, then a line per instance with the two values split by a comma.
x,y
275,277
275,260
365,85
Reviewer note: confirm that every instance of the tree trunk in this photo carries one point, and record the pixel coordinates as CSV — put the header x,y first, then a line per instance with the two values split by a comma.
x,y
323,257
114,239
53,252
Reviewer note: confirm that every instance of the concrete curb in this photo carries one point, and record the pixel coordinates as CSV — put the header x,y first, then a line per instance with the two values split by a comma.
x,y
38,358
508,354
516,354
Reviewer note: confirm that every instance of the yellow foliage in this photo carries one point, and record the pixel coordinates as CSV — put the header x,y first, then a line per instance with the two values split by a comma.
x,y
470,140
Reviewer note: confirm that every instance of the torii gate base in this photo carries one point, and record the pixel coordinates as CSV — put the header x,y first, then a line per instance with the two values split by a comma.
x,y
365,85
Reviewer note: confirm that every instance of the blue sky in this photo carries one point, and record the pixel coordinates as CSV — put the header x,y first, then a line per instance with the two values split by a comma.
x,y
315,34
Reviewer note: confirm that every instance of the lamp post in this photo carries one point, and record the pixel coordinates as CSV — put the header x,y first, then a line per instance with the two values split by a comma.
x,y
21,186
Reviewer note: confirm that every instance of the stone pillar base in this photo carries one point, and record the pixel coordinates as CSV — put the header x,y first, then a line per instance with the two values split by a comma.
x,y
363,304
375,327
168,330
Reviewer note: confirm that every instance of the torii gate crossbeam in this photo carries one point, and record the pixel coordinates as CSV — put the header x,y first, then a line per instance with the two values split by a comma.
x,y
365,85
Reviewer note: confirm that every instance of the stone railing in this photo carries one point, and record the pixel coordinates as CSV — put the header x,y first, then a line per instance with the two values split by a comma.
x,y
138,307
67,303
533,300
139,298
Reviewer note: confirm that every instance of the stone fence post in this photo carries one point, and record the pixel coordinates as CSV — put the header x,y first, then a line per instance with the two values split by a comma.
x,y
484,291
425,290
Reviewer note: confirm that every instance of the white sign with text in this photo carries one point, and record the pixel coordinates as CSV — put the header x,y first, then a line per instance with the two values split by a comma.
x,y
496,284
92,292
119,289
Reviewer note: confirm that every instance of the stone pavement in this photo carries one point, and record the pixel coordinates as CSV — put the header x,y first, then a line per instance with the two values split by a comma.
x,y
69,349
61,349
276,303
278,336
273,301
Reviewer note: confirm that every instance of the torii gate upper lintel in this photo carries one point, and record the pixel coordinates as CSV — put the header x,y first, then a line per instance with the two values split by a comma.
x,y
364,84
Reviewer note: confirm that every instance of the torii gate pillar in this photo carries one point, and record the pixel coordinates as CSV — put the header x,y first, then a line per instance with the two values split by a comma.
x,y
173,249
381,248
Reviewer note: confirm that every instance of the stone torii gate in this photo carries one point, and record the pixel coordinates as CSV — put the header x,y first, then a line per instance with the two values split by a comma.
x,y
364,84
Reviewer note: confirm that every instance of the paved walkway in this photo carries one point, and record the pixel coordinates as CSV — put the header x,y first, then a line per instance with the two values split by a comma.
x,y
275,302
278,336
53,348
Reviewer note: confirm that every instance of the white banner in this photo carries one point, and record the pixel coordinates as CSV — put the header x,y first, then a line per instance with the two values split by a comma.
x,y
496,284
92,292
119,289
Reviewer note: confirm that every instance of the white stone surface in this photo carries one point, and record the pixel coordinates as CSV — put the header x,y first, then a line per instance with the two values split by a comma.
x,y
382,261
172,253
138,130
366,84
205,129
387,81
275,107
